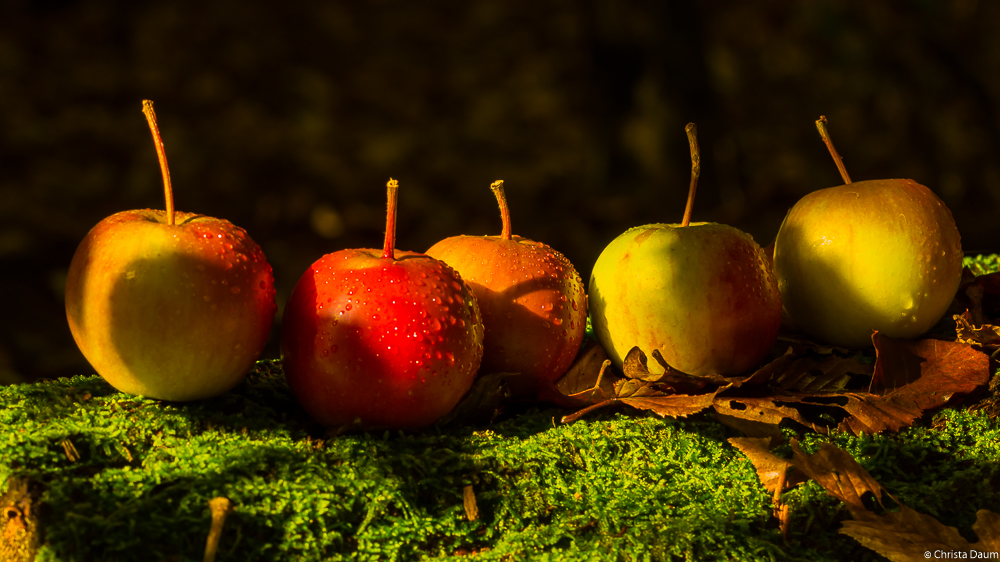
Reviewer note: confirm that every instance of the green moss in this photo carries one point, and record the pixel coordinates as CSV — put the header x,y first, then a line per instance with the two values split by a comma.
x,y
982,264
615,486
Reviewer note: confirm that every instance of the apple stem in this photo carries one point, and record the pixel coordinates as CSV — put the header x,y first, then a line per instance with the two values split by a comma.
x,y
497,188
692,133
161,153
821,127
389,250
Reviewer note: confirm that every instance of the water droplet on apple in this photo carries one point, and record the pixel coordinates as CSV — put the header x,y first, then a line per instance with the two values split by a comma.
x,y
348,306
130,274
375,317
574,304
557,321
450,357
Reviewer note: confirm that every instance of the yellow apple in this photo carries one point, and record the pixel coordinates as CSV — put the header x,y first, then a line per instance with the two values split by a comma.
x,y
871,255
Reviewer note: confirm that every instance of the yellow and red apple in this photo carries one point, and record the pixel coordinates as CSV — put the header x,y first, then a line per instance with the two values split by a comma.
x,y
169,305
700,293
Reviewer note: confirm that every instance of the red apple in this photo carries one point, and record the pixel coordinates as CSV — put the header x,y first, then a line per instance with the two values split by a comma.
x,y
700,293
532,299
380,338
169,305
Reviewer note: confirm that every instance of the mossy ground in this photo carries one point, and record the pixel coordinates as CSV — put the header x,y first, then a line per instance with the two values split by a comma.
x,y
127,478
615,486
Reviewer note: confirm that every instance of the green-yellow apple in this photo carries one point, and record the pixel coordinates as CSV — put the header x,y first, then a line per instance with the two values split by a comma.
x,y
700,293
169,305
871,255
380,338
532,299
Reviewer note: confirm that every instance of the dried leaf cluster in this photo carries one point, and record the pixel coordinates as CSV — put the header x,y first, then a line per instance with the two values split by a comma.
x,y
817,386
898,533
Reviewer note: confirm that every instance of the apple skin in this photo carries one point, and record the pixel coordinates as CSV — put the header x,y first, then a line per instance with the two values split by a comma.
x,y
380,343
532,300
701,294
177,312
871,255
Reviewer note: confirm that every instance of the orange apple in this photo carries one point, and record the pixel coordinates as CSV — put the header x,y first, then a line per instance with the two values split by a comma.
x,y
532,299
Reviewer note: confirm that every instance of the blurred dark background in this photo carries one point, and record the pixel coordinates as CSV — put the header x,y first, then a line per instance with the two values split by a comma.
x,y
288,120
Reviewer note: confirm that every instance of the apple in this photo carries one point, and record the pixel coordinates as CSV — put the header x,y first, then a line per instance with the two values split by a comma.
x,y
167,304
380,338
701,293
870,255
532,299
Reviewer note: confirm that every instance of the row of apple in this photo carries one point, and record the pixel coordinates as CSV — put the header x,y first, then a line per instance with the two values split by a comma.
x,y
178,306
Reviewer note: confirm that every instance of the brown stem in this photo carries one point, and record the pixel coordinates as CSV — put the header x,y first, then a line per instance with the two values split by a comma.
x,y
389,249
220,508
497,188
821,127
168,190
692,133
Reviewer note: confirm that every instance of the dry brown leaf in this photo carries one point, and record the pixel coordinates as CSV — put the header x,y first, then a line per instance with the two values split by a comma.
x,y
987,528
673,405
585,375
986,335
979,295
751,428
902,535
927,372
772,470
905,535
760,409
873,414
841,475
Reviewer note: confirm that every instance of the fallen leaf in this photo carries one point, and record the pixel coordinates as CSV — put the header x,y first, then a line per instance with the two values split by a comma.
x,y
907,535
841,476
761,409
672,405
585,375
986,335
901,535
772,470
927,372
643,395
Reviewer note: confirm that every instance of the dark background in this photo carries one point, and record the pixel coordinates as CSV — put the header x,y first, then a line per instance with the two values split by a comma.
x,y
289,120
